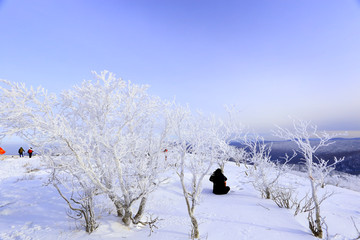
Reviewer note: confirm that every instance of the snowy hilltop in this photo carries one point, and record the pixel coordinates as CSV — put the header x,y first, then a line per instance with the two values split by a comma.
x,y
113,161
30,209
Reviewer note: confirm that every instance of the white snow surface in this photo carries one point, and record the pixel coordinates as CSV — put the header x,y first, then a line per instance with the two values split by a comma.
x,y
30,209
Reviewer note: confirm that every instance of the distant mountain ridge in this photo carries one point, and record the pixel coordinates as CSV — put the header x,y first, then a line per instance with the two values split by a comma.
x,y
343,147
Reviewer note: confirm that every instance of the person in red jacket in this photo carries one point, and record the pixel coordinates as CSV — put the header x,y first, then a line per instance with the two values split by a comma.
x,y
219,181
30,152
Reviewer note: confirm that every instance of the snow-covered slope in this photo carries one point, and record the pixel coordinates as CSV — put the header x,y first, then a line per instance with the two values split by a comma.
x,y
29,209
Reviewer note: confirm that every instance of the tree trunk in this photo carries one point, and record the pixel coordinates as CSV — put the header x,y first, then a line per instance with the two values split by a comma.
x,y
318,233
195,227
140,210
127,216
89,215
118,206
317,230
267,193
194,223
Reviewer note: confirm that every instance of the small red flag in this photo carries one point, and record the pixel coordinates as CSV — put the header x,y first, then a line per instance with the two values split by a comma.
x,y
2,151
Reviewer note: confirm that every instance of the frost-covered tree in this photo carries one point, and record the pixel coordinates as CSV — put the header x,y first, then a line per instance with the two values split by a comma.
x,y
302,134
264,171
195,150
112,131
227,131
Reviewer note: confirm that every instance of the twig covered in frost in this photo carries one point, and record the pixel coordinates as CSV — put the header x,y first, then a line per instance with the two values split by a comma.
x,y
322,169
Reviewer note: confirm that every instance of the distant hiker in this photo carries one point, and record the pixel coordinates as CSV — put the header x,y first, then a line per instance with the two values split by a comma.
x,y
21,152
30,152
165,151
219,181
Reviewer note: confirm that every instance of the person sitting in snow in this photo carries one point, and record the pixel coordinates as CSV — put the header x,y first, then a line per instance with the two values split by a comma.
x,y
219,181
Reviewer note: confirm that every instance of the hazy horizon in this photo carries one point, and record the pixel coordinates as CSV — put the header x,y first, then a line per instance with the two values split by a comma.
x,y
11,145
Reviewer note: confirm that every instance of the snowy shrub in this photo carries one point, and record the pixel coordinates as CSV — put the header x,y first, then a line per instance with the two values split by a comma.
x,y
26,177
344,180
283,197
264,171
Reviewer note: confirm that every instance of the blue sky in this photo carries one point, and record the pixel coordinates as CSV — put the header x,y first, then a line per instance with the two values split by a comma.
x,y
270,58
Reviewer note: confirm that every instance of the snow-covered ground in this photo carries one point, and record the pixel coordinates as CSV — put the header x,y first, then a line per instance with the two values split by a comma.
x,y
29,209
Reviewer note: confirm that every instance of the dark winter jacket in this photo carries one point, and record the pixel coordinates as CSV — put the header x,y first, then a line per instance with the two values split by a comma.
x,y
219,181
21,150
